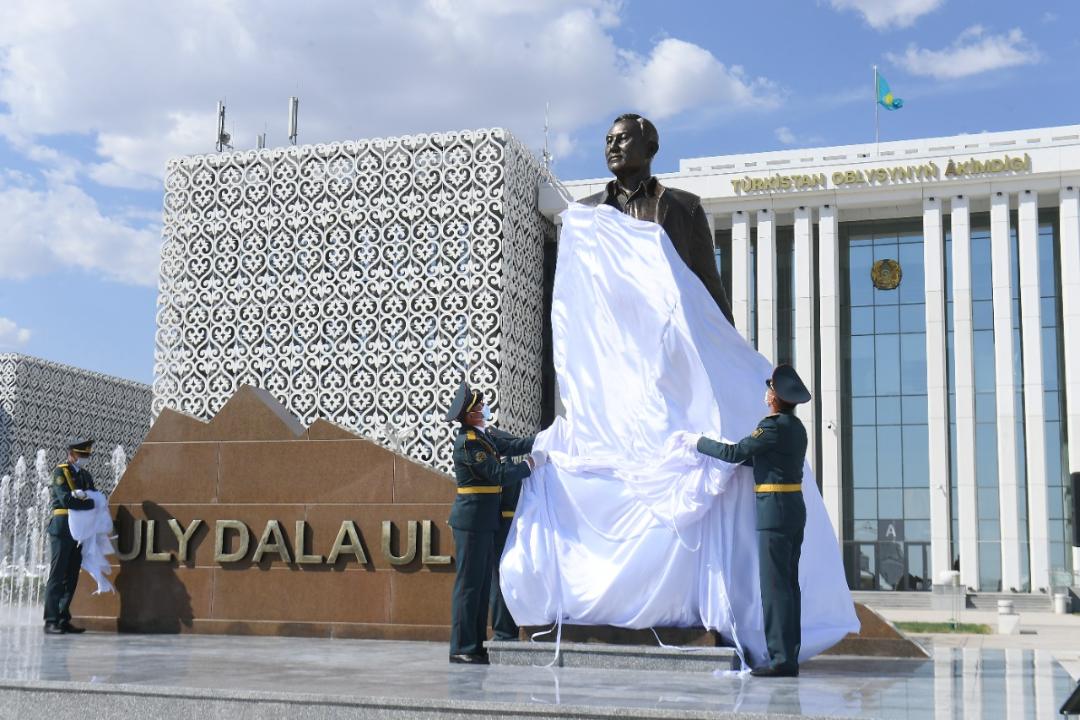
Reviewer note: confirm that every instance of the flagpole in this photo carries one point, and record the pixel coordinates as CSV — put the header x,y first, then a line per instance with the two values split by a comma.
x,y
876,110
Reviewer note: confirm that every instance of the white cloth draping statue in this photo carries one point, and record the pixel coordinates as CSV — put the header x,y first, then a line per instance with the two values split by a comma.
x,y
627,524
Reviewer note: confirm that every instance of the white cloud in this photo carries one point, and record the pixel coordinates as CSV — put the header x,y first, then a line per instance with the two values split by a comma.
x,y
11,335
61,226
360,69
885,14
784,135
974,51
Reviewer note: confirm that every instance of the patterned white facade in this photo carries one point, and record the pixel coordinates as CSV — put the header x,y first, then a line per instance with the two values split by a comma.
x,y
43,404
357,282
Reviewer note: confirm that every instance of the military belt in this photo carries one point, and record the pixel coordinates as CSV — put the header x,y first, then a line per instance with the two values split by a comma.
x,y
778,487
479,489
60,511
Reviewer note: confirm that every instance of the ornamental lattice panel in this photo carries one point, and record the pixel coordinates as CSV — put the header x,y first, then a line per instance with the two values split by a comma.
x,y
357,282
43,404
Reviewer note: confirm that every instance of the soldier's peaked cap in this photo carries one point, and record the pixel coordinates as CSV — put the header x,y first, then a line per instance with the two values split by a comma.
x,y
465,400
788,386
82,446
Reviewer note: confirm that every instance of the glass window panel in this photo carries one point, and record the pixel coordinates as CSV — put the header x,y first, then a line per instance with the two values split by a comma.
x,y
981,288
864,457
986,454
917,530
916,456
862,365
917,503
982,315
913,363
889,470
1055,504
865,530
989,567
1056,529
1050,407
912,318
989,531
862,320
887,364
1046,263
865,503
862,411
890,504
1050,357
984,359
911,264
1055,444
988,503
1048,310
888,410
985,407
860,259
914,409
887,319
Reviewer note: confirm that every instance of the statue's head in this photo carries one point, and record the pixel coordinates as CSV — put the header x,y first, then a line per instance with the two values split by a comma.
x,y
630,145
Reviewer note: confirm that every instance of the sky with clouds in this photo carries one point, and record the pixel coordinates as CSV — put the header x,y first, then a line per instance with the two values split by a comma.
x,y
96,95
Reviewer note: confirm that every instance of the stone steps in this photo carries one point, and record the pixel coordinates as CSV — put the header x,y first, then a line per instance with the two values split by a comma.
x,y
983,601
612,657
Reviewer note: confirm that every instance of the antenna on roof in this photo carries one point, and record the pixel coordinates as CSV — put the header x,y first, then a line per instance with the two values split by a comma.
x,y
223,137
294,108
546,157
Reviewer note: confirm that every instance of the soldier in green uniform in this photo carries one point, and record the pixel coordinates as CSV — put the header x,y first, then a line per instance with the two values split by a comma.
x,y
776,450
482,470
70,481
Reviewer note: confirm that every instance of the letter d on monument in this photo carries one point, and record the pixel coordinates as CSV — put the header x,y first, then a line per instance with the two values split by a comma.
x,y
243,540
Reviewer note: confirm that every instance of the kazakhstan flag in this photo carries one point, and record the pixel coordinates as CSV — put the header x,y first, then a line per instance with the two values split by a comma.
x,y
885,97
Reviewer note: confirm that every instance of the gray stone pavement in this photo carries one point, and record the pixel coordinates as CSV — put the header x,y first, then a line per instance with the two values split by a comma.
x,y
1057,634
166,676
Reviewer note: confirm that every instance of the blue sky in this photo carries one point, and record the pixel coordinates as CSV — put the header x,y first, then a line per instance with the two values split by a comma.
x,y
96,95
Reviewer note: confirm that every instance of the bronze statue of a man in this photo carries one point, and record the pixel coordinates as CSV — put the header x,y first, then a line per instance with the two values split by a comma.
x,y
629,148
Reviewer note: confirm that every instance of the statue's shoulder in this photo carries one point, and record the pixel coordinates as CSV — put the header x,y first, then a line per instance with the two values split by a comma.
x,y
594,200
688,200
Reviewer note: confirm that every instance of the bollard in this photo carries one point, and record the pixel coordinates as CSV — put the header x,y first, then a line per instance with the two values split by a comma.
x,y
1061,603
1005,607
1008,620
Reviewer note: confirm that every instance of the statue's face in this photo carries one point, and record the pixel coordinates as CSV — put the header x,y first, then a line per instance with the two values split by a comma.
x,y
625,149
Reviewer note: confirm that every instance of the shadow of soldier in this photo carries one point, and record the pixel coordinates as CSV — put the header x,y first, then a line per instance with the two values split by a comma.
x,y
152,598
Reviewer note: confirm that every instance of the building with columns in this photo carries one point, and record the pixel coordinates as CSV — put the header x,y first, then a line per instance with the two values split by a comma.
x,y
928,291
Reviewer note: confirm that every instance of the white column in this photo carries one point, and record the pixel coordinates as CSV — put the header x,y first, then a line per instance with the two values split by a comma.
x,y
740,271
963,354
804,323
1005,393
1034,400
937,387
766,284
832,458
1070,306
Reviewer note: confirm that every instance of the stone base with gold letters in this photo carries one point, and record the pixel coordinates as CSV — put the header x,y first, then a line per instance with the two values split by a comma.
x,y
252,524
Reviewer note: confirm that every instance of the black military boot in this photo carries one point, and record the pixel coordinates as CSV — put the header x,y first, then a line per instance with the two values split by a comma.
x,y
53,629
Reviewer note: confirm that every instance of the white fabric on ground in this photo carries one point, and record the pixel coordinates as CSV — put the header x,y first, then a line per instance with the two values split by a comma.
x,y
92,529
627,524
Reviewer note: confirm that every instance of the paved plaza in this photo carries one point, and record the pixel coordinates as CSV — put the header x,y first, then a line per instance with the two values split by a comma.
x,y
110,675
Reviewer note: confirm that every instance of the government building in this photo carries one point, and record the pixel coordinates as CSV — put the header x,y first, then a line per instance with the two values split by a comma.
x,y
929,292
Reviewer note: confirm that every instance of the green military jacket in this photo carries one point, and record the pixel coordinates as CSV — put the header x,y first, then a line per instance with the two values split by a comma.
x,y
483,472
776,450
66,479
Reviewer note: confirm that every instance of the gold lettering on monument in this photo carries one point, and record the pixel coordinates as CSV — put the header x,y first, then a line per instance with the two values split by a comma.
x,y
151,554
277,545
232,540
354,547
410,547
243,540
300,545
183,537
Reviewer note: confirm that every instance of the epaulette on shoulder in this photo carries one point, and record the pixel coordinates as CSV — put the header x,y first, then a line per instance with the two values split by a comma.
x,y
470,434
63,465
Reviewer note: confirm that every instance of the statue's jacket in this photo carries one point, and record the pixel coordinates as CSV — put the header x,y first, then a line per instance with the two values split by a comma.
x,y
683,219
